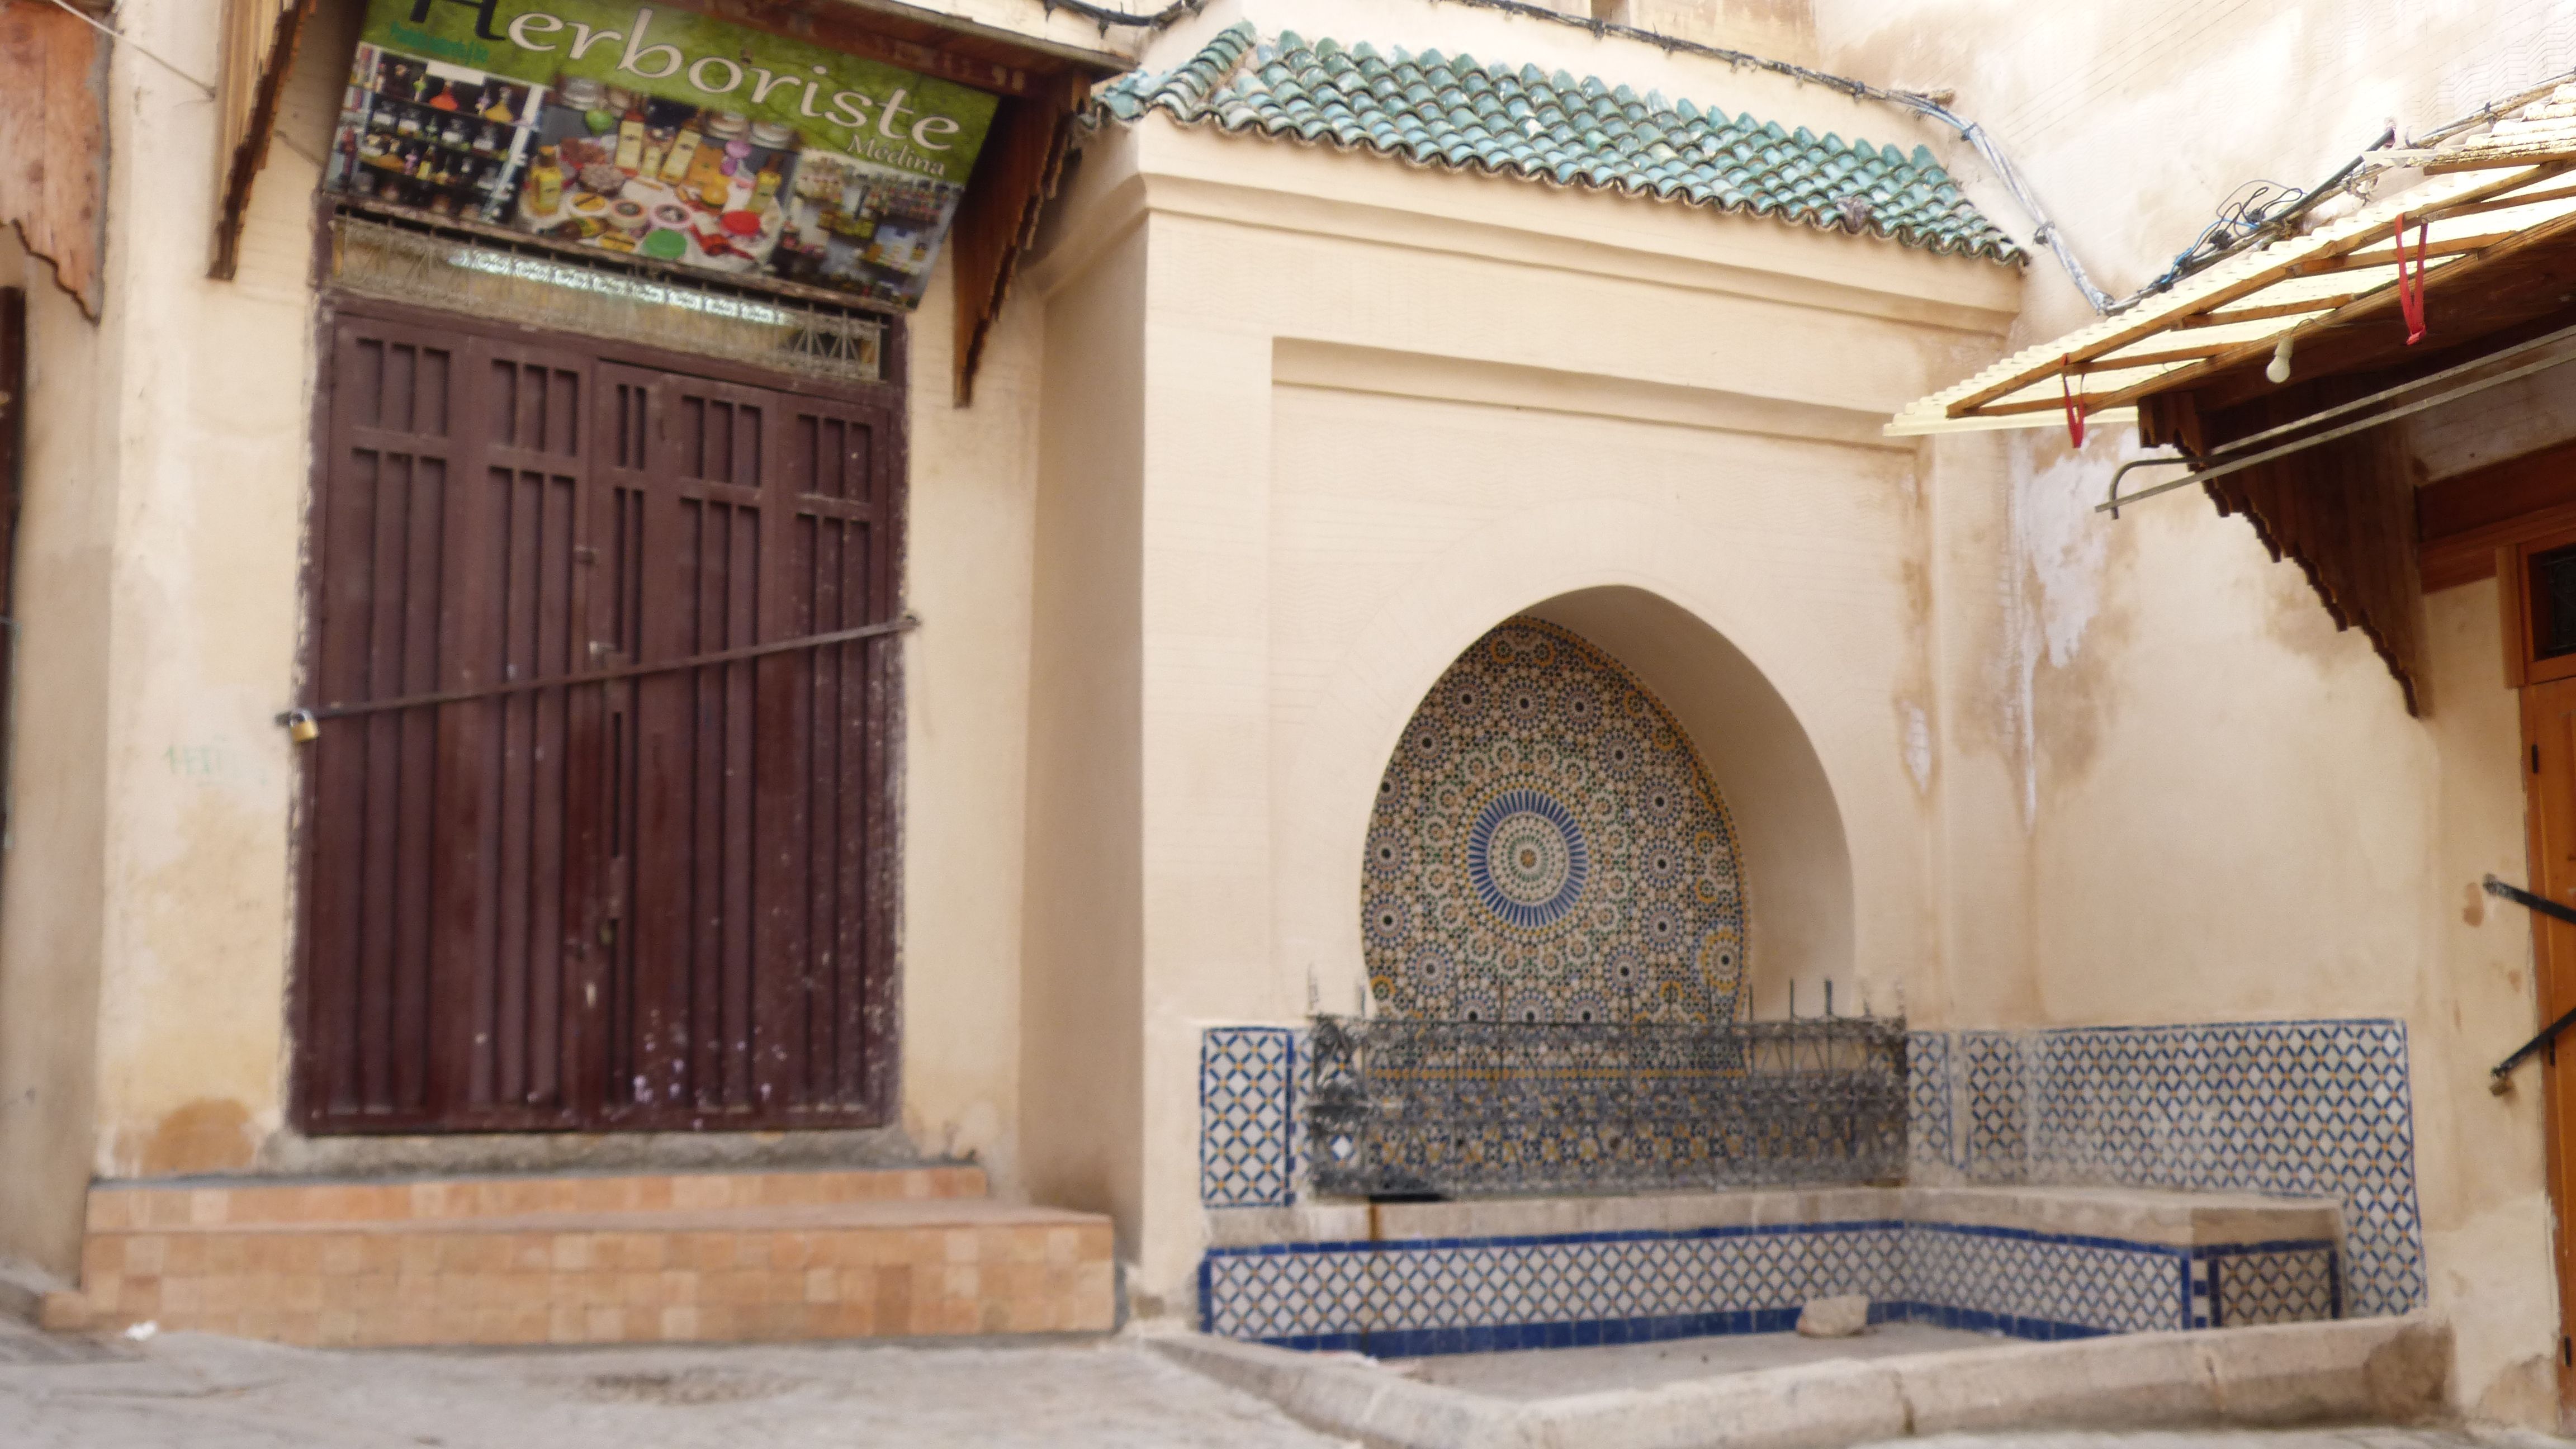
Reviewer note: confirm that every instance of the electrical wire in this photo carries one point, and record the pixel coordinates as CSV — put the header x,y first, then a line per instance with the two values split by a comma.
x,y
1169,15
120,38
131,44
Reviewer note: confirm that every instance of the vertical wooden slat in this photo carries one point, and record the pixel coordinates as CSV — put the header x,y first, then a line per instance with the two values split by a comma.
x,y
260,40
13,412
1022,159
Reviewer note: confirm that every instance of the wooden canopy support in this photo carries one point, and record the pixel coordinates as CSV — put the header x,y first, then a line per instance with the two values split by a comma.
x,y
1022,160
53,142
260,37
2343,511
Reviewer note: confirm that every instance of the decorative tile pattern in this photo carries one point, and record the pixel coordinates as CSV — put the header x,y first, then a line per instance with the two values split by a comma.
x,y
1928,1118
1445,111
1547,847
1473,1294
2295,1108
1994,1150
1470,1295
2272,1283
1247,1116
2032,1285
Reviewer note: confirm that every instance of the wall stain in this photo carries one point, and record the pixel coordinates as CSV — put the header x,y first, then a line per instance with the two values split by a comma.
x,y
210,1134
2473,909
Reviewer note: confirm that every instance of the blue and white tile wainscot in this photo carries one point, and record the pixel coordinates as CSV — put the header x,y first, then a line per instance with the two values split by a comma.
x,y
2290,1108
2034,1263
1248,1102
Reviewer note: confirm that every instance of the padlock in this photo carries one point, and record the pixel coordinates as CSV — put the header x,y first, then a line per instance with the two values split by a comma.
x,y
302,727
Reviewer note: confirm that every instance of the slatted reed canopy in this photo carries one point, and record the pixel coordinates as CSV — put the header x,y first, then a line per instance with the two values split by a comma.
x,y
2270,371
2495,218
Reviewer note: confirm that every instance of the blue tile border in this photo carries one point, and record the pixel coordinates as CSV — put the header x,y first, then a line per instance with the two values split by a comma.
x,y
1480,1294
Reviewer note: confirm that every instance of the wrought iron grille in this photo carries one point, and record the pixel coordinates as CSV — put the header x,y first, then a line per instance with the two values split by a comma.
x,y
1400,1108
545,285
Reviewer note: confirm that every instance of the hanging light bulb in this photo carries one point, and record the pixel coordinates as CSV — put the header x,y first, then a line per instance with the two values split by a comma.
x,y
2278,369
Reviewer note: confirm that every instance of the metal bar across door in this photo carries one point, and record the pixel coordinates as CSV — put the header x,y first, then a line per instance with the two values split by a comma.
x,y
904,625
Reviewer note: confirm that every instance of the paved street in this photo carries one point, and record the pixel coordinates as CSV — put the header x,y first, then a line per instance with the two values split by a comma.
x,y
212,1393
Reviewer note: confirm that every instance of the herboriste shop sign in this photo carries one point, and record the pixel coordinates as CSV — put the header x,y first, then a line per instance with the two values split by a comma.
x,y
660,133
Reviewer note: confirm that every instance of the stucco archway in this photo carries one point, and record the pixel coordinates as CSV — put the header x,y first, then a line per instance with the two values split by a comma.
x,y
1797,861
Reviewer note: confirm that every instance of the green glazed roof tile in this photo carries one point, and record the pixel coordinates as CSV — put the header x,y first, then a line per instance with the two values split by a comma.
x,y
1459,114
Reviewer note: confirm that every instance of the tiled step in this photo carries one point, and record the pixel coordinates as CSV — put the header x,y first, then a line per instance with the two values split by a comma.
x,y
119,1207
677,1258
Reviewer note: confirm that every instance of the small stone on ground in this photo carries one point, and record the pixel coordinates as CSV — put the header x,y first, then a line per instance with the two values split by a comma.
x,y
1841,1317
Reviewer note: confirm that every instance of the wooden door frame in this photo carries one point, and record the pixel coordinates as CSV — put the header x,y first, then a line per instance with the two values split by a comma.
x,y
889,396
2531,677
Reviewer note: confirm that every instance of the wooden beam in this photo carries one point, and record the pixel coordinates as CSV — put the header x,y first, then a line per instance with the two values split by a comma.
x,y
996,223
2152,359
2462,521
260,41
2493,158
2508,203
2270,309
2458,246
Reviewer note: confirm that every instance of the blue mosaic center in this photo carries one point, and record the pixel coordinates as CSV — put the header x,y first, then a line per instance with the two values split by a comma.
x,y
1547,846
1527,859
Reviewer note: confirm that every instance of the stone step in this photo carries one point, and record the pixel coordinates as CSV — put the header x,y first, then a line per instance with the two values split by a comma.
x,y
208,1202
733,1257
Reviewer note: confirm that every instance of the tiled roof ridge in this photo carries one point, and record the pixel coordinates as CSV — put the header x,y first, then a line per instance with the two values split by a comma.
x,y
1453,112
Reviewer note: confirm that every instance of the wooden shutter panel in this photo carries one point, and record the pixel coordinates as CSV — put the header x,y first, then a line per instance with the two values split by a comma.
x,y
655,901
448,893
756,966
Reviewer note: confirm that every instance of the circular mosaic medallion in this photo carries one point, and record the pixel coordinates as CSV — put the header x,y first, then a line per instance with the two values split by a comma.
x,y
1526,858
1546,847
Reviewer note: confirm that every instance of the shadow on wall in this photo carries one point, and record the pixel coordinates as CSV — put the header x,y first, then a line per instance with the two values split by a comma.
x,y
1796,866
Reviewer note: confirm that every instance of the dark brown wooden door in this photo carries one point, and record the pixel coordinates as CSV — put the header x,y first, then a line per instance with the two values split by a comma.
x,y
2549,742
657,901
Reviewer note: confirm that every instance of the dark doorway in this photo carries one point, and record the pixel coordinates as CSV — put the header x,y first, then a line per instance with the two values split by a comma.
x,y
656,895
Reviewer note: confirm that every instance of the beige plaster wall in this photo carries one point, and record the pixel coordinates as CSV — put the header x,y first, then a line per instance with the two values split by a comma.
x,y
2219,807
52,859
144,946
1083,988
1383,409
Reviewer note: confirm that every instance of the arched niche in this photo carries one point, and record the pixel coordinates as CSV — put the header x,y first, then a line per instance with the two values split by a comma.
x,y
1796,860
1546,846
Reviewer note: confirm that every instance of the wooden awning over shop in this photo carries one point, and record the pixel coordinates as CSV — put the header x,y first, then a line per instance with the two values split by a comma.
x,y
259,45
1042,85
53,141
2488,234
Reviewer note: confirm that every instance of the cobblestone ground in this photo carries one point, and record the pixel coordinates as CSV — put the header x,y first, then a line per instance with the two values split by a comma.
x,y
185,1391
